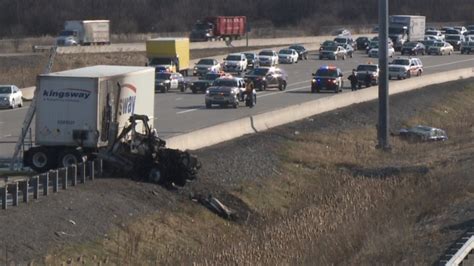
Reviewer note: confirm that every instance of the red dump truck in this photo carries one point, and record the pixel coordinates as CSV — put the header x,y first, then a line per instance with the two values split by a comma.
x,y
218,28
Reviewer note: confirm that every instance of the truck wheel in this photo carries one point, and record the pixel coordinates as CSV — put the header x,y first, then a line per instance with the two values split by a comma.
x,y
40,159
70,157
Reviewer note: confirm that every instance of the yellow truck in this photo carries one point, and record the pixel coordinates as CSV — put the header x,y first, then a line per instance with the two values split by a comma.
x,y
168,54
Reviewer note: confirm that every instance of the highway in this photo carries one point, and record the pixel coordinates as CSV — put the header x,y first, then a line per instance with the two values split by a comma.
x,y
177,113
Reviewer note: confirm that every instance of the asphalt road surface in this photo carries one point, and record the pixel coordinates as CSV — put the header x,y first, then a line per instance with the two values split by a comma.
x,y
177,113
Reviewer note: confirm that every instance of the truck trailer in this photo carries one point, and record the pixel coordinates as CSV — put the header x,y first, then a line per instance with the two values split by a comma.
x,y
406,28
168,54
84,32
80,111
220,27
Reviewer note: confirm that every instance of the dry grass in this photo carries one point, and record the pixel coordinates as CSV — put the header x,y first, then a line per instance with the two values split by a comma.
x,y
319,211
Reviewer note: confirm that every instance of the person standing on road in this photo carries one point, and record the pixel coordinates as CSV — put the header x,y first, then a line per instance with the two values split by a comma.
x,y
353,79
249,90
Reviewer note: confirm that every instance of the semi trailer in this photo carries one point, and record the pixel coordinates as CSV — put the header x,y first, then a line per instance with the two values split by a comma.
x,y
219,27
406,28
84,32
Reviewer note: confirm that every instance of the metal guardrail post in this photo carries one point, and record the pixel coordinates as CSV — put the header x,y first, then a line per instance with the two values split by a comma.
x,y
91,170
4,197
24,185
65,171
14,191
73,172
82,170
35,184
100,162
45,182
55,176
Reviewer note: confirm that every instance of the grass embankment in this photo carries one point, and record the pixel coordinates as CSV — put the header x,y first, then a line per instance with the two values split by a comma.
x,y
338,200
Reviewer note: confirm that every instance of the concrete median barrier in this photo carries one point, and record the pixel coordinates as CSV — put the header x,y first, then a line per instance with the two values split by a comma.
x,y
261,122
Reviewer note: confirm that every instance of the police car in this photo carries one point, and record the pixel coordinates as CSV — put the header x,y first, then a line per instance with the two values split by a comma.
x,y
327,78
227,90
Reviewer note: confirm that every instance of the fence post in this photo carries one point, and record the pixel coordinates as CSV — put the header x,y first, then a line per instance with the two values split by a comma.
x,y
4,197
65,177
35,183
101,167
91,170
55,177
45,182
74,174
14,192
82,175
24,189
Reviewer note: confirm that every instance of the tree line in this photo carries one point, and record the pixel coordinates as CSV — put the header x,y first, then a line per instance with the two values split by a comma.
x,y
46,17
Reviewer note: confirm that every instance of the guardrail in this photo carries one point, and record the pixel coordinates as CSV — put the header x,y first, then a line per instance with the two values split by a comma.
x,y
460,250
15,191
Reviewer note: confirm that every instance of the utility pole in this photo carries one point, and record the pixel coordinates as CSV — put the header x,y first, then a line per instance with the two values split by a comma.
x,y
383,121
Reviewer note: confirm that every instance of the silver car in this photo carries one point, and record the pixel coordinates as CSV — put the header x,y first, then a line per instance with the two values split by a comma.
x,y
206,65
10,96
225,91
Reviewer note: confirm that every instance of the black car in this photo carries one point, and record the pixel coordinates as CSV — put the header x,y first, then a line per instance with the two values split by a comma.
x,y
326,44
327,78
302,52
362,43
413,48
205,82
265,77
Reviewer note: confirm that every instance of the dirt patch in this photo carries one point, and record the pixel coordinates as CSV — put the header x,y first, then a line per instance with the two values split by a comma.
x,y
322,196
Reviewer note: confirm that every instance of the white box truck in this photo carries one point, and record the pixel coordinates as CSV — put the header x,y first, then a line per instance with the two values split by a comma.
x,y
406,28
84,32
80,111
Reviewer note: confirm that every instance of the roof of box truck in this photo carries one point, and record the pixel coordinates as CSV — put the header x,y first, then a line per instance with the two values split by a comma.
x,y
99,71
169,38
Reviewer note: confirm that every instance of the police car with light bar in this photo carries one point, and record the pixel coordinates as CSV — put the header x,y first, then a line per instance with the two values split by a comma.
x,y
327,78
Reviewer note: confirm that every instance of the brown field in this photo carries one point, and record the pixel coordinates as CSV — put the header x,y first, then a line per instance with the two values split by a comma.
x,y
333,199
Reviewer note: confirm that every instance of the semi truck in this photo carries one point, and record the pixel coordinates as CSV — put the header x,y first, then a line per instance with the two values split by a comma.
x,y
406,28
84,32
80,111
219,27
168,54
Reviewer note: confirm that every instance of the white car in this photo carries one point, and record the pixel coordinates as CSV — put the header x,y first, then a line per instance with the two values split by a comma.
x,y
434,34
10,96
206,65
236,63
402,68
288,56
374,52
441,48
268,58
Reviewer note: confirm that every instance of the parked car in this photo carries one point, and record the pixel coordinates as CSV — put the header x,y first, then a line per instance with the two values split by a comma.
x,y
341,32
452,31
372,45
326,44
374,52
341,40
266,77
349,50
268,58
402,68
461,29
367,74
441,48
362,42
438,35
467,47
206,65
225,91
252,60
235,63
333,52
423,133
302,52
455,40
327,78
205,82
10,96
165,81
413,48
288,56
428,44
